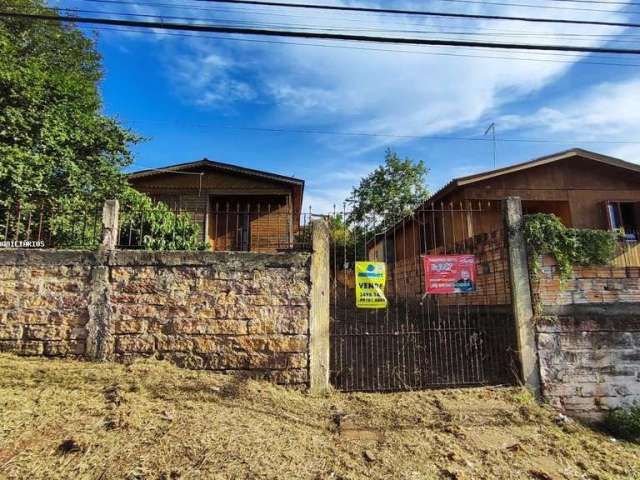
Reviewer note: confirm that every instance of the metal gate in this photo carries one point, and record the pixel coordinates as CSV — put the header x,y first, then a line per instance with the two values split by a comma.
x,y
419,340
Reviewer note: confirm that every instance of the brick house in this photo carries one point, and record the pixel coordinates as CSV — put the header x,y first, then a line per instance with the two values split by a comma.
x,y
238,208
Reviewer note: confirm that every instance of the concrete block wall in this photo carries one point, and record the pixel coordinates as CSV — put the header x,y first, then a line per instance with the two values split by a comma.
x,y
231,312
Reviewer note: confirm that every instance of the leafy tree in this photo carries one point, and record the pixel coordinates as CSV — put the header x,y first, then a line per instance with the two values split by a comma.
x,y
55,143
389,193
58,151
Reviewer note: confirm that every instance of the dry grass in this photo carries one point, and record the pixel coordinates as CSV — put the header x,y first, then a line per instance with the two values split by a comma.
x,y
150,420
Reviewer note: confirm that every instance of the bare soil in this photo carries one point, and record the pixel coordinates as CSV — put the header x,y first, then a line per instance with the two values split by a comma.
x,y
151,420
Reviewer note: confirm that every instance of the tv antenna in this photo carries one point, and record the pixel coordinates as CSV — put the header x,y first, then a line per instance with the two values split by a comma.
x,y
492,129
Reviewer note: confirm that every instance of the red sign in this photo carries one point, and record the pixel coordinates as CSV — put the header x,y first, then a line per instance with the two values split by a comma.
x,y
449,273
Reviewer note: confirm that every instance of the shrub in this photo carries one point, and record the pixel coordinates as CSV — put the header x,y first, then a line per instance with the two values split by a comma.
x,y
546,235
625,422
153,226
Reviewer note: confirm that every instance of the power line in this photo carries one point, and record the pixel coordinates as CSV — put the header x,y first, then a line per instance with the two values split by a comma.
x,y
316,27
527,5
381,135
480,33
425,13
350,47
475,2
485,31
316,35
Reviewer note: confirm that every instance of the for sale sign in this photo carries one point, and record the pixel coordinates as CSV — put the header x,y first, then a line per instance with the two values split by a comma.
x,y
370,280
449,273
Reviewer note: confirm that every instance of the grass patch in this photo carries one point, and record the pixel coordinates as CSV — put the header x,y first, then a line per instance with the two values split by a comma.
x,y
625,422
151,420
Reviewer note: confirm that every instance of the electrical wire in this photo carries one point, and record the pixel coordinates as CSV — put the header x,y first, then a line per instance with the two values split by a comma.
x,y
314,35
380,135
425,13
417,52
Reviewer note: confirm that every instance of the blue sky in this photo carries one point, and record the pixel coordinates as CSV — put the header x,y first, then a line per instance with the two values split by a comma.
x,y
194,96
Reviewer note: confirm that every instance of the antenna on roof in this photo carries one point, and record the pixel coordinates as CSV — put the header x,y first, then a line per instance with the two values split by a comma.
x,y
492,129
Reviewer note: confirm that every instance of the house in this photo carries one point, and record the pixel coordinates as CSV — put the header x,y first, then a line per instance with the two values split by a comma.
x,y
584,189
238,208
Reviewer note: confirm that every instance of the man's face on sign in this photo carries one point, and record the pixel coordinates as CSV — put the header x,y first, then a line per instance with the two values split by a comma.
x,y
465,274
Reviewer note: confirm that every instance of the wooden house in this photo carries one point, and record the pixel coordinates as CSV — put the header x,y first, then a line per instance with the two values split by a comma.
x,y
584,189
237,208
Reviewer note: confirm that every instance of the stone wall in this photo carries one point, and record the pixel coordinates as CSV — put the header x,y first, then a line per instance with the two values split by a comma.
x,y
590,358
588,338
233,312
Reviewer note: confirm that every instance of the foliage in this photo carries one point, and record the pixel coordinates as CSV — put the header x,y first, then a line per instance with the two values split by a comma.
x,y
58,152
55,143
625,422
154,226
546,235
390,192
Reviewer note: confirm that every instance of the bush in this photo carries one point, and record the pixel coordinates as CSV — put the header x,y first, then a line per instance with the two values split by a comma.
x,y
153,226
546,235
625,422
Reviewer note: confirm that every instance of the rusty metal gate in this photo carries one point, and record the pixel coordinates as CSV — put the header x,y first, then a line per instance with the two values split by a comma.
x,y
419,340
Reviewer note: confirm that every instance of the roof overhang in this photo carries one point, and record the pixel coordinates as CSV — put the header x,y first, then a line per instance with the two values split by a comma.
x,y
574,152
210,164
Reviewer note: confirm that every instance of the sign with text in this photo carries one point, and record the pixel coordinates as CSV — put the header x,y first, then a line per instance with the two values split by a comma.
x,y
370,280
449,273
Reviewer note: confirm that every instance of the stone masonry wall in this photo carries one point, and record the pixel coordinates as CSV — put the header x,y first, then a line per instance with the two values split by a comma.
x,y
588,338
234,312
590,358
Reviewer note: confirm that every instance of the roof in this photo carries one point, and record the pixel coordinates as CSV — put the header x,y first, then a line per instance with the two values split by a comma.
x,y
206,163
574,152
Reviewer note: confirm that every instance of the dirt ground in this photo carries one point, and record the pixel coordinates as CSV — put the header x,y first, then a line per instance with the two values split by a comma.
x,y
150,420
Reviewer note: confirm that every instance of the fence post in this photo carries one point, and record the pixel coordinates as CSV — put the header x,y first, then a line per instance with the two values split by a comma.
x,y
99,342
319,313
521,294
110,211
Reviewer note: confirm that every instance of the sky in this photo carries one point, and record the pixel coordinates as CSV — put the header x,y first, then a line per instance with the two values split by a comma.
x,y
326,111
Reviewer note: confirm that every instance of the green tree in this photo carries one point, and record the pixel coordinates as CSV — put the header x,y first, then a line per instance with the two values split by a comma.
x,y
55,143
390,192
57,149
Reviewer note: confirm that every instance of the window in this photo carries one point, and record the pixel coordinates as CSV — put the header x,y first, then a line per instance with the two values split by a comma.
x,y
623,216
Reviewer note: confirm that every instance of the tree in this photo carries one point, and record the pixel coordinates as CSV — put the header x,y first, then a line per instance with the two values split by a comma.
x,y
58,151
389,193
55,143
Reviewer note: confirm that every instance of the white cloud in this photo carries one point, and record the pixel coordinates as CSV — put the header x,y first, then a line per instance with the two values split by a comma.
x,y
406,91
207,79
608,112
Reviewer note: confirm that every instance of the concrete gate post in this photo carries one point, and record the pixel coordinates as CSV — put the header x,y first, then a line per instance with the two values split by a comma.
x,y
319,315
521,294
99,342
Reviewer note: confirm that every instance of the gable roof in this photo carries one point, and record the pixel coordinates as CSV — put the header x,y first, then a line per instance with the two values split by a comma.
x,y
574,152
210,164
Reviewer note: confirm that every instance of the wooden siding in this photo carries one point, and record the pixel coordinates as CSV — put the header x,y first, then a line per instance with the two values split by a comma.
x,y
575,189
235,211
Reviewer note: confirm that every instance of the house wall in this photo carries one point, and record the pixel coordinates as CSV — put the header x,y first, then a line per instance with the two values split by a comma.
x,y
208,197
230,312
585,184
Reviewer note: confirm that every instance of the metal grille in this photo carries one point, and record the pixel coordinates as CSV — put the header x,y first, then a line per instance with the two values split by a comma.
x,y
41,225
423,341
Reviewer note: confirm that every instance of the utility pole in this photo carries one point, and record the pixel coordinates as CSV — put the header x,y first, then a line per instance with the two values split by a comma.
x,y
492,129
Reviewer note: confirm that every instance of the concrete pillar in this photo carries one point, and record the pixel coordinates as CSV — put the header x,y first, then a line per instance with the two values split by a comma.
x,y
319,315
99,342
521,294
110,211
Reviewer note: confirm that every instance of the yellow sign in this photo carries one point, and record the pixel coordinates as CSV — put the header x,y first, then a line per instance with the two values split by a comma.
x,y
370,279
